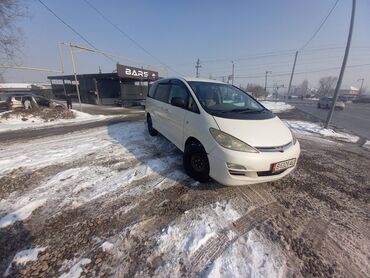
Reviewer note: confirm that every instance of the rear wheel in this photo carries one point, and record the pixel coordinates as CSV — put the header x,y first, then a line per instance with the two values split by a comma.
x,y
196,162
152,131
318,105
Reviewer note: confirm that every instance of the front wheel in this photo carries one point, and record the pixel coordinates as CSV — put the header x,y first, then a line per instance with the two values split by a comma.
x,y
152,131
196,162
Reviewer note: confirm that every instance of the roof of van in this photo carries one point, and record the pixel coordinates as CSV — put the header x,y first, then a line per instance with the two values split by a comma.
x,y
189,79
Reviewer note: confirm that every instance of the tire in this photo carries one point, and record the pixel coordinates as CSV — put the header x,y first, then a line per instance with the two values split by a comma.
x,y
327,106
152,131
196,163
318,105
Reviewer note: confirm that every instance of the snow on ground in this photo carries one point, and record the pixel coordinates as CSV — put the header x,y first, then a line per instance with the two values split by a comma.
x,y
16,122
107,246
138,157
277,106
25,256
197,228
249,256
307,128
76,270
367,144
22,213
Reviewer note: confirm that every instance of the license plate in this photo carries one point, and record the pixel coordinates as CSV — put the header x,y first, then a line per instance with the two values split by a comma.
x,y
282,165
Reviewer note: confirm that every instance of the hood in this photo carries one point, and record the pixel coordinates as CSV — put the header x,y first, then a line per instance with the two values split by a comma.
x,y
257,133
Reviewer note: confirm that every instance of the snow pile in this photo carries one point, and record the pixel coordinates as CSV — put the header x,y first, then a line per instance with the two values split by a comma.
x,y
15,122
307,128
277,106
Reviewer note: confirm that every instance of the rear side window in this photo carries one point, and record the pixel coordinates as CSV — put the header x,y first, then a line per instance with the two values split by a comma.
x,y
42,101
162,92
152,90
192,106
179,91
18,98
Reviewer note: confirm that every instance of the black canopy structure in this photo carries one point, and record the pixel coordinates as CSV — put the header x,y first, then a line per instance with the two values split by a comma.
x,y
126,86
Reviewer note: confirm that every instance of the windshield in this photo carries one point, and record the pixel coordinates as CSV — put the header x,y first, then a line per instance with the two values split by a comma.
x,y
226,98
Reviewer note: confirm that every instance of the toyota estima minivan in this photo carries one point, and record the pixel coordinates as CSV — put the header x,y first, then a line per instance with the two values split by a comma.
x,y
224,133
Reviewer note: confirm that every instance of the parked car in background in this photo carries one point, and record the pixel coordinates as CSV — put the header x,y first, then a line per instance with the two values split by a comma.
x,y
16,101
3,103
327,102
364,99
224,133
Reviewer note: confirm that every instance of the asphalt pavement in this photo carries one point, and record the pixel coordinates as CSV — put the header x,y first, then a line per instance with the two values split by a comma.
x,y
59,130
354,118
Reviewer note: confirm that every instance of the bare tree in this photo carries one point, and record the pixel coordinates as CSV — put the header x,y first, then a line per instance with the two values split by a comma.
x,y
256,90
326,85
304,88
11,11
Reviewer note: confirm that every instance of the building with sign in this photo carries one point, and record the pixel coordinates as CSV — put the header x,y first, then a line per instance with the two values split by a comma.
x,y
127,86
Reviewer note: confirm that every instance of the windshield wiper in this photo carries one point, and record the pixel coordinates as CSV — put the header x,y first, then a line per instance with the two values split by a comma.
x,y
254,111
241,110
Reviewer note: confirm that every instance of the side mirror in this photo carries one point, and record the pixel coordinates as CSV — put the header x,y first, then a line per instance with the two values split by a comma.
x,y
178,101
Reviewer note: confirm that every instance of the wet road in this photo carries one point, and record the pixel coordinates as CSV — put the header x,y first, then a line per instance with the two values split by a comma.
x,y
59,130
354,118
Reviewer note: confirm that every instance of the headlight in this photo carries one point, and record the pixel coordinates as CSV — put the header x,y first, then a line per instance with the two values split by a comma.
x,y
293,136
229,142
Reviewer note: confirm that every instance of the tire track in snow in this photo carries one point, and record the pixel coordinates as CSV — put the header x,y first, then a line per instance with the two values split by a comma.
x,y
316,230
216,245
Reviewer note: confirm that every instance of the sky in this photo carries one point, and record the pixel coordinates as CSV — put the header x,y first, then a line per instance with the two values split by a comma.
x,y
258,36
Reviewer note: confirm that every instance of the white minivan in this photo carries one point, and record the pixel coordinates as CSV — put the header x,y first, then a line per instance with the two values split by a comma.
x,y
224,133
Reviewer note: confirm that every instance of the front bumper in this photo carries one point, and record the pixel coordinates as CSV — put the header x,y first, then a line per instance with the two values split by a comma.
x,y
257,165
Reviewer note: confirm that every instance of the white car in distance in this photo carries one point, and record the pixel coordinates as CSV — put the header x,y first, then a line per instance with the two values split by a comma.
x,y
223,132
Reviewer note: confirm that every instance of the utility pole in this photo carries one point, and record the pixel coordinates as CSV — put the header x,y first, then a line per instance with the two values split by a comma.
x,y
291,75
74,72
197,67
267,72
339,82
232,73
362,83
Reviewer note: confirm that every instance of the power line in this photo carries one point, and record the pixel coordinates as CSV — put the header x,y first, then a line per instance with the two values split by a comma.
x,y
302,72
72,29
251,57
128,36
320,26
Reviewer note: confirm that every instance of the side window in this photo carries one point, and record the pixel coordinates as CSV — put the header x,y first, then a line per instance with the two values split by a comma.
x,y
152,90
192,106
162,92
18,98
179,91
42,101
